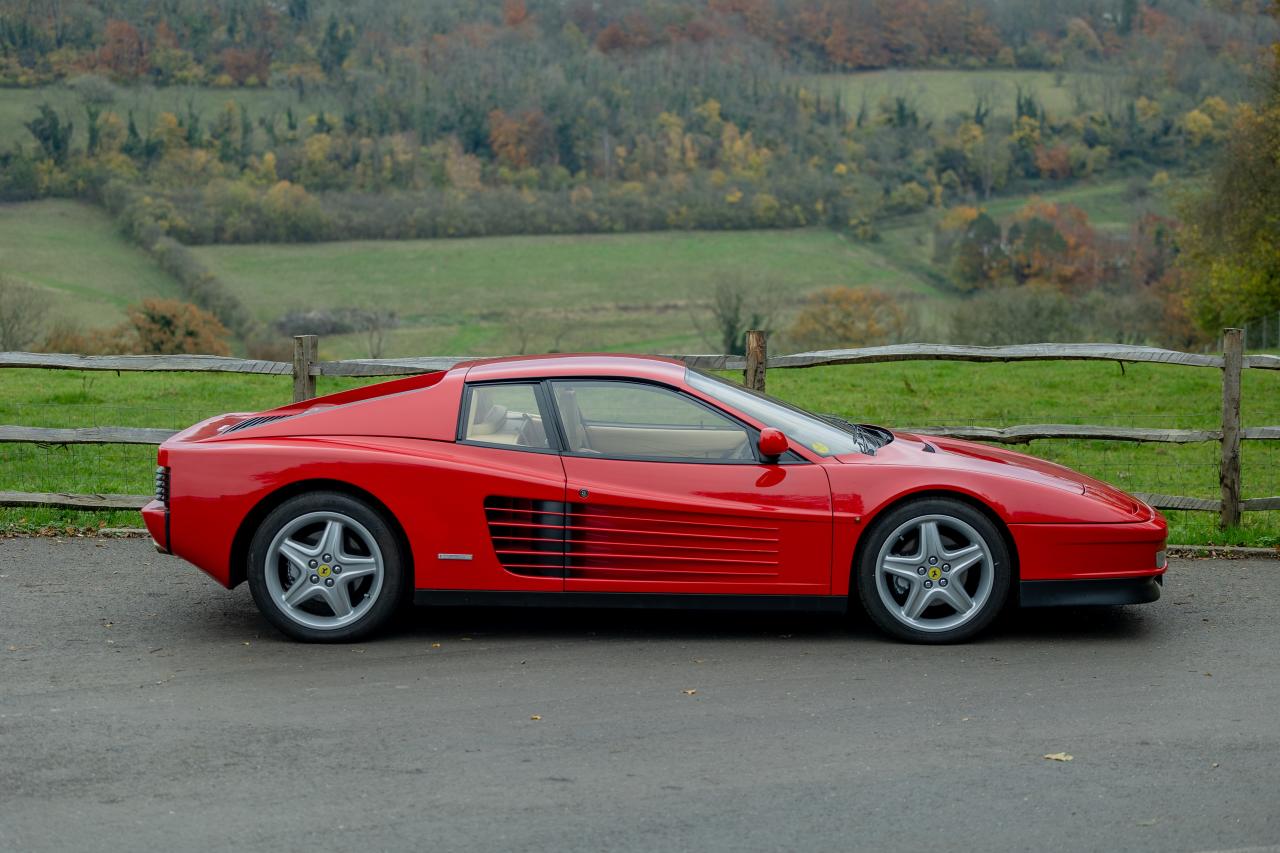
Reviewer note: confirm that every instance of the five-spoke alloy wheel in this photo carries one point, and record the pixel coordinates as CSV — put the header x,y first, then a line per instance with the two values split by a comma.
x,y
325,566
933,571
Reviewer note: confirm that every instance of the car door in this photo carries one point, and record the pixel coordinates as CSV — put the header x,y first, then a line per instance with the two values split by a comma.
x,y
503,525
667,495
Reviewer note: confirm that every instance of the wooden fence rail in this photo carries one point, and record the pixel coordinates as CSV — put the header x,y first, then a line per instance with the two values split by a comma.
x,y
755,365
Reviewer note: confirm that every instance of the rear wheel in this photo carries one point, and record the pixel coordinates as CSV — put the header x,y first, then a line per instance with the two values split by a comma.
x,y
326,567
933,571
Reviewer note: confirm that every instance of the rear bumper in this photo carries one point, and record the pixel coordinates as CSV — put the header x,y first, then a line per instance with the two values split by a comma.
x,y
1084,593
156,516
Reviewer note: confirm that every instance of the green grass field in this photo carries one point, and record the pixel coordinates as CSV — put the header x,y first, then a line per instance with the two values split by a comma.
x,y
592,292
75,254
940,94
596,292
501,294
901,395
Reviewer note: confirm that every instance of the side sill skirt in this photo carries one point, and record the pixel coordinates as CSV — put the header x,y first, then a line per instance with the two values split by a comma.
x,y
1086,593
632,600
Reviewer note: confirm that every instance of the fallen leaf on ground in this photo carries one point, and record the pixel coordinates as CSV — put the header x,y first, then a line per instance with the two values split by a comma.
x,y
1059,756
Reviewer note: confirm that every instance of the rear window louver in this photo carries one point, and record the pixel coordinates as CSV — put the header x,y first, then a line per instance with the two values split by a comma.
x,y
256,420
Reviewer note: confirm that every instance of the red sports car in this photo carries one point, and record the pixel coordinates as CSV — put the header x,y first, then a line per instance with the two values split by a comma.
x,y
629,481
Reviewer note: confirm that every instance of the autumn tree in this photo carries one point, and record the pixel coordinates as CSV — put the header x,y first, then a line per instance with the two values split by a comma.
x,y
514,12
170,327
978,259
849,317
1230,252
123,51
520,141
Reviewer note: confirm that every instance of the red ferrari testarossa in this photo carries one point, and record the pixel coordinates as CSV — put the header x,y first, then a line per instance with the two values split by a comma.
x,y
630,481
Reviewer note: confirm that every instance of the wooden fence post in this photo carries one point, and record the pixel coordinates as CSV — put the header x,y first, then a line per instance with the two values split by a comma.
x,y
757,356
304,356
1229,464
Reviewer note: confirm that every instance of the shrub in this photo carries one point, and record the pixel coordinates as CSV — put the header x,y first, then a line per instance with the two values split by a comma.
x,y
22,314
1011,315
94,89
849,317
170,327
315,321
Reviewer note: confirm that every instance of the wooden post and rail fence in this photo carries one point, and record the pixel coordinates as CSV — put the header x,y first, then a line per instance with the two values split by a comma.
x,y
305,367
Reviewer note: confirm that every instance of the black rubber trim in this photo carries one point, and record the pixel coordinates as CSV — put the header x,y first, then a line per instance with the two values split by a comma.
x,y
1085,593
631,600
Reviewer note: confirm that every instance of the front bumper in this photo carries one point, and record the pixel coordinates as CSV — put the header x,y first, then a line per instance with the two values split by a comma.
x,y
1087,552
1085,593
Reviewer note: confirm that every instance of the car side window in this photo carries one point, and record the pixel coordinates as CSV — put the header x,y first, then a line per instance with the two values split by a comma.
x,y
635,420
506,414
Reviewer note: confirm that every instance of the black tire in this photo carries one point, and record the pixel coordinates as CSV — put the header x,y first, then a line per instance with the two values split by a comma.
x,y
377,603
954,522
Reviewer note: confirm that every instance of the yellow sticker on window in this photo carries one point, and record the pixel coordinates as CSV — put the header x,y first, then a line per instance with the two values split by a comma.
x,y
820,447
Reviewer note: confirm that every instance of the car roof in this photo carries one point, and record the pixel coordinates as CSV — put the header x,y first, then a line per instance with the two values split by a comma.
x,y
651,367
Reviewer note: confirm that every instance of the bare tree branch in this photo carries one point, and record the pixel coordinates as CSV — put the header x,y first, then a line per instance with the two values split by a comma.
x,y
22,315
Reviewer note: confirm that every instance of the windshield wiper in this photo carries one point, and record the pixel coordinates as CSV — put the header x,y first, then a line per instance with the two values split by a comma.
x,y
866,441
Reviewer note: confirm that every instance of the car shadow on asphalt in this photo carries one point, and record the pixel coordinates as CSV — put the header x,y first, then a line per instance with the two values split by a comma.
x,y
1084,624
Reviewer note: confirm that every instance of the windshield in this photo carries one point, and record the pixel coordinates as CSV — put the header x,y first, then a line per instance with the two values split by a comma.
x,y
799,426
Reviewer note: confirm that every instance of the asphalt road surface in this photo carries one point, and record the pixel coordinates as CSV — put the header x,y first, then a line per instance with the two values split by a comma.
x,y
142,707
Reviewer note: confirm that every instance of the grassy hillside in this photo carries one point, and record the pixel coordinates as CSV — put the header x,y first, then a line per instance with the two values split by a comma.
x,y
939,94
616,292
1112,207
902,394
74,252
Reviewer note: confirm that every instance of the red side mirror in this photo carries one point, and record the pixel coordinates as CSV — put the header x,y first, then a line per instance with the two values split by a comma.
x,y
773,443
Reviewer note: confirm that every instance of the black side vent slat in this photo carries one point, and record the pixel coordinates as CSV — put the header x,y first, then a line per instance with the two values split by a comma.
x,y
528,535
254,421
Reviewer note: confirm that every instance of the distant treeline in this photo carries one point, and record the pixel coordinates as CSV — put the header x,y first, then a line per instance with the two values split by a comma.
x,y
461,118
256,42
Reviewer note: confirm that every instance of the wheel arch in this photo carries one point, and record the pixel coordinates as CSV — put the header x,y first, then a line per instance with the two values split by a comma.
x,y
950,494
249,525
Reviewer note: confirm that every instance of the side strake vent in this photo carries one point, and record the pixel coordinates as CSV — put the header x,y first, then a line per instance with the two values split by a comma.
x,y
256,420
528,535
628,543
602,542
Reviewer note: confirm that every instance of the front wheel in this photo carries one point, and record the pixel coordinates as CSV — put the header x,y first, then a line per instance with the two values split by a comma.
x,y
933,571
325,567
